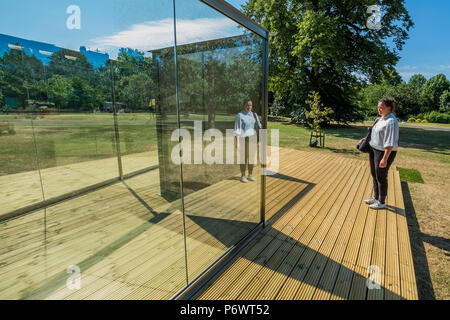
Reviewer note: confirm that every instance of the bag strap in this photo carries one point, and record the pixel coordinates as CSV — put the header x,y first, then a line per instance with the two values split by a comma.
x,y
376,121
256,123
256,119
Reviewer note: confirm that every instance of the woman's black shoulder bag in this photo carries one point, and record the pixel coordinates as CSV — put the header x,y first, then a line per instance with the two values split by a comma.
x,y
365,146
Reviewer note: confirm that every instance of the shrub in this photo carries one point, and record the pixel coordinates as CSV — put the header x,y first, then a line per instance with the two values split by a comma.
x,y
437,117
278,107
411,120
32,109
298,116
419,116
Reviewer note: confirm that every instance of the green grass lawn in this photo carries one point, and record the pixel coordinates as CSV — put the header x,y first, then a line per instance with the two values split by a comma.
x,y
410,175
426,124
414,142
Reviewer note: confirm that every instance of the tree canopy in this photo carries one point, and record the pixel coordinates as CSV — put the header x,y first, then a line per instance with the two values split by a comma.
x,y
325,45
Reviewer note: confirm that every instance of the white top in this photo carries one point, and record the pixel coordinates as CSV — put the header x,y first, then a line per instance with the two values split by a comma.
x,y
245,124
385,133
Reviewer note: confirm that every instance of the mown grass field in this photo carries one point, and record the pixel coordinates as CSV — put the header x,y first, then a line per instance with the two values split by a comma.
x,y
70,138
62,140
426,203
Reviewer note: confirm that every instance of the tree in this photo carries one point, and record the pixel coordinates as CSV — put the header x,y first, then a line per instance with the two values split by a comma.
x,y
22,74
407,100
370,95
445,102
59,90
70,64
392,77
131,62
417,82
324,45
136,91
433,90
2,77
83,96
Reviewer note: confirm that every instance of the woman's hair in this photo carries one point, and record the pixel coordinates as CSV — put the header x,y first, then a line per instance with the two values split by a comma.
x,y
246,101
388,102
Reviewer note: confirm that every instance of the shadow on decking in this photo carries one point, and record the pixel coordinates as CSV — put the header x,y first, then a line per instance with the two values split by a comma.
x,y
262,260
304,268
209,224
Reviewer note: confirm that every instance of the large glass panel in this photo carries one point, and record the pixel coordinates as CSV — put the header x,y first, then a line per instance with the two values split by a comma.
x,y
79,87
220,73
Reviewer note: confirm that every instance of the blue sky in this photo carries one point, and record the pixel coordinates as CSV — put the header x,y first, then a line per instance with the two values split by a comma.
x,y
427,51
146,24
108,25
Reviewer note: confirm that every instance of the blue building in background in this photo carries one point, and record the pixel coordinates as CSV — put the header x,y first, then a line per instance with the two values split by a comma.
x,y
43,51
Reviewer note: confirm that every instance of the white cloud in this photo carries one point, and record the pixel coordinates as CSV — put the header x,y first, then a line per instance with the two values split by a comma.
x,y
406,68
159,34
444,67
407,75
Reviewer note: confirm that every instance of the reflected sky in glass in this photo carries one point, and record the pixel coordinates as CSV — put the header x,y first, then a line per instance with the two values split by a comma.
x,y
108,25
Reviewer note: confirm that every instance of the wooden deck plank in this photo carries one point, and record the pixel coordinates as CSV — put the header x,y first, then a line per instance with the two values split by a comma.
x,y
133,268
268,278
392,276
345,250
378,261
407,274
314,236
350,203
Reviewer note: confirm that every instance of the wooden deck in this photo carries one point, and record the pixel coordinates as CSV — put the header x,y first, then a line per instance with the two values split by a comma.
x,y
129,243
323,242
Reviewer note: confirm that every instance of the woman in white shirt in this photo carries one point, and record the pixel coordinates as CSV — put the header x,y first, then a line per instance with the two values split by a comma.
x,y
244,129
383,149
